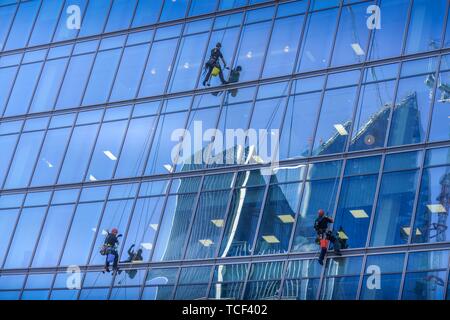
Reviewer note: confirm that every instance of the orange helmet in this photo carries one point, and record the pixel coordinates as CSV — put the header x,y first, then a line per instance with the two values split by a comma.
x,y
114,231
321,212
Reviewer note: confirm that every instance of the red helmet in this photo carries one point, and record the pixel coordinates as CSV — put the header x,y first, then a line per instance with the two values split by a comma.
x,y
114,231
321,212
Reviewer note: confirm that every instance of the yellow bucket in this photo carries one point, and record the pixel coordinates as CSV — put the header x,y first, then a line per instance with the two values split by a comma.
x,y
215,72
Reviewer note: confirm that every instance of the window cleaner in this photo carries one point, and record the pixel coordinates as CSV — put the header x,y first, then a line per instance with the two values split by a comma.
x,y
324,235
109,249
213,66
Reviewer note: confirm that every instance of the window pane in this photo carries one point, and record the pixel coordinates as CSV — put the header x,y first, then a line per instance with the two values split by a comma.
x,y
343,288
25,236
173,10
75,81
130,73
432,208
82,232
143,227
318,194
188,63
160,160
175,224
120,15
202,7
53,235
278,218
410,118
51,157
296,140
23,22
424,286
371,122
6,16
24,159
78,154
46,22
21,95
147,12
136,146
355,207
7,145
316,46
48,86
115,215
106,151
158,68
394,210
300,289
388,40
440,125
425,28
7,77
262,290
241,223
208,225
335,121
283,46
252,50
62,32
95,17
352,36
102,77
7,223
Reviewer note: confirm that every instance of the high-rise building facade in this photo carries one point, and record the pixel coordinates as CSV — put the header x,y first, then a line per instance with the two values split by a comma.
x,y
105,123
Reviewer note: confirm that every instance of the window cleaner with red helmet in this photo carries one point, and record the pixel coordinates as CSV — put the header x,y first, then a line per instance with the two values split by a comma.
x,y
109,249
324,235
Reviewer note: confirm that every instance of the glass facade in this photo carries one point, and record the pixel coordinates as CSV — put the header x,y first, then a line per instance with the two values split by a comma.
x,y
87,116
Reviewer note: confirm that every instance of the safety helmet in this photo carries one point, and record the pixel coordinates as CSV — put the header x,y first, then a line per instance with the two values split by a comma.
x,y
219,45
238,68
320,212
114,231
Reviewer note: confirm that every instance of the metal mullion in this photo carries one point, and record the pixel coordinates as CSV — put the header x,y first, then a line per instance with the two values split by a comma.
x,y
211,275
416,197
32,27
260,216
303,181
219,242
227,215
88,260
394,102
44,63
19,215
375,199
211,31
130,219
245,281
269,39
317,120
433,100
176,51
10,28
361,277
360,85
37,244
176,282
407,26
163,208
195,208
303,32
403,276
336,203
336,31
